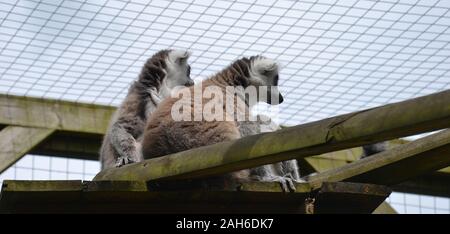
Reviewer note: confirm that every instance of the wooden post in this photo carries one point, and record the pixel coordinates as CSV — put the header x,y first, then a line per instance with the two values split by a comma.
x,y
345,131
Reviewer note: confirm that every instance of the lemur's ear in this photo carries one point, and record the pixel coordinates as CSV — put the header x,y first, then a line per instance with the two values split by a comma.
x,y
179,57
265,66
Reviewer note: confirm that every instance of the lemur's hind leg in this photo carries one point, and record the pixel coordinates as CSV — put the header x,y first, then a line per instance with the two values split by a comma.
x,y
290,168
124,143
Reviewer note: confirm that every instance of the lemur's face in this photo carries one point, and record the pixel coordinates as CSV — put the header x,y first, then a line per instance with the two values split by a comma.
x,y
178,70
264,72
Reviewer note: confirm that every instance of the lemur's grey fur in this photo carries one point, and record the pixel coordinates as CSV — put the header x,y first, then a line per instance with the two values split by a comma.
x,y
162,72
372,149
163,135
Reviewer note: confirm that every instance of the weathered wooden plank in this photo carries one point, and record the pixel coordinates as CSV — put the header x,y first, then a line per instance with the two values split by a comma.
x,y
345,131
334,194
86,146
385,208
238,185
60,115
339,158
16,141
41,185
70,145
396,165
133,197
16,193
435,183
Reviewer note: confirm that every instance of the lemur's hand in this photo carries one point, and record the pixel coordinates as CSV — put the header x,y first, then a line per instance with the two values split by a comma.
x,y
296,180
132,157
286,182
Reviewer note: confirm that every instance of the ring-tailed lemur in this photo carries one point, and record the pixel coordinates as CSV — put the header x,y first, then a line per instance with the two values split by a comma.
x,y
161,73
163,135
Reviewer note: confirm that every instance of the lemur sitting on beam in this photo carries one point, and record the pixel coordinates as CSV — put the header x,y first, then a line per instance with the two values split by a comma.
x,y
164,71
164,135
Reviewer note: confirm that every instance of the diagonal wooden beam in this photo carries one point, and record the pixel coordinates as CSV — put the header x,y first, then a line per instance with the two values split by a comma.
x,y
336,159
435,183
384,208
341,132
16,141
71,140
396,165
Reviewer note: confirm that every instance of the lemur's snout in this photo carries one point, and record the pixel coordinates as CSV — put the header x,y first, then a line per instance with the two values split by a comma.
x,y
280,98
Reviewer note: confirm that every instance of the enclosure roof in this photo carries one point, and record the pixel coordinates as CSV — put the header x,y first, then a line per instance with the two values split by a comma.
x,y
337,56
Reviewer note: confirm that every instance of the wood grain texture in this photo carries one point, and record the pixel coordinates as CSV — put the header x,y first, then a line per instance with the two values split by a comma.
x,y
16,141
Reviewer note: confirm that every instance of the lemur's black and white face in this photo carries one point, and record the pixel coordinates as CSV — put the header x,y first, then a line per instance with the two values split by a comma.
x,y
264,72
178,71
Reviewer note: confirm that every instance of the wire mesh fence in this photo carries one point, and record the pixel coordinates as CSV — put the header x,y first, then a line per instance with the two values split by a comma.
x,y
338,56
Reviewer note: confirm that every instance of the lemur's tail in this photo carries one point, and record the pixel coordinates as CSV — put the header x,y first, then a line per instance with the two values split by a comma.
x,y
369,150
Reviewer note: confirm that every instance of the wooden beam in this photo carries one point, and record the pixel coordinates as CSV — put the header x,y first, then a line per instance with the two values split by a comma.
x,y
345,131
60,115
333,194
86,146
340,158
135,197
384,208
396,165
16,141
435,183
70,145
352,154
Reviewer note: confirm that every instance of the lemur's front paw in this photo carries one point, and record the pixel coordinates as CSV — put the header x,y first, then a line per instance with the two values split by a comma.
x,y
122,161
287,184
294,179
